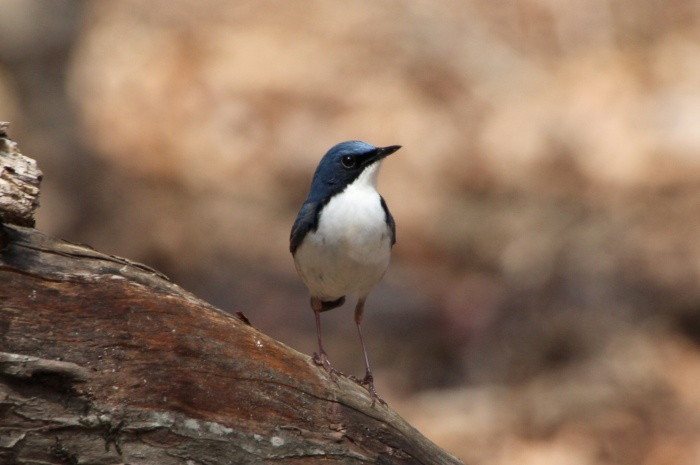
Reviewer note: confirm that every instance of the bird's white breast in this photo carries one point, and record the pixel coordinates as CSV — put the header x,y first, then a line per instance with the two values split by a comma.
x,y
350,249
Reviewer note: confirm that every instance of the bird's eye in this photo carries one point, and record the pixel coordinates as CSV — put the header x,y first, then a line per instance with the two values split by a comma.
x,y
348,161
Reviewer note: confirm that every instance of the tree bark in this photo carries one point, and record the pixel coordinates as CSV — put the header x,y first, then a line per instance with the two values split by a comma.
x,y
105,361
19,183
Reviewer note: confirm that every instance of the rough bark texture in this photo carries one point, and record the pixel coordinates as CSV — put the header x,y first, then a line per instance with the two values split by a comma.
x,y
105,361
19,183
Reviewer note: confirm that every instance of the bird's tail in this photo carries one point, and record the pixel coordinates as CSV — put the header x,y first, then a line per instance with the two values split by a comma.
x,y
331,304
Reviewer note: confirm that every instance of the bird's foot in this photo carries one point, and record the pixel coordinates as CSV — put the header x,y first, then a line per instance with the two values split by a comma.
x,y
368,383
322,361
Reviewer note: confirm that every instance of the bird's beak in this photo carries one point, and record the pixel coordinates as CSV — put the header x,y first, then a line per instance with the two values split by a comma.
x,y
382,152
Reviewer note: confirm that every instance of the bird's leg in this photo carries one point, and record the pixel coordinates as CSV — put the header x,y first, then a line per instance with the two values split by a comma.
x,y
368,381
321,358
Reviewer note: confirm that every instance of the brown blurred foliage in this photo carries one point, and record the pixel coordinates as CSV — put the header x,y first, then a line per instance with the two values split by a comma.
x,y
543,305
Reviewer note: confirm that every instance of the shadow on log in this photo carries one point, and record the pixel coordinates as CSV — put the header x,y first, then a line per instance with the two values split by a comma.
x,y
105,361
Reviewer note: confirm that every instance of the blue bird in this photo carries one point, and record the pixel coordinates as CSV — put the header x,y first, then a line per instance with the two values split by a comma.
x,y
342,238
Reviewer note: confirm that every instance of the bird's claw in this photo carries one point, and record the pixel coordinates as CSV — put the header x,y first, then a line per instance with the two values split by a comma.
x,y
368,383
322,361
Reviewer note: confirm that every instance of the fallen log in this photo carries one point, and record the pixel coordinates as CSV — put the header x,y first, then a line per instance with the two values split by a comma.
x,y
105,361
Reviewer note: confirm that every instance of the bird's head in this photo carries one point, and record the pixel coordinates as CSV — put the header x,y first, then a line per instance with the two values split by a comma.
x,y
344,163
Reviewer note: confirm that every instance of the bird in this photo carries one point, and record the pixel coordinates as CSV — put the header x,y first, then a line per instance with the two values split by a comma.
x,y
342,237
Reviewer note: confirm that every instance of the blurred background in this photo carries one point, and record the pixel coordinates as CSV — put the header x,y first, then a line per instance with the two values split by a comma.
x,y
542,306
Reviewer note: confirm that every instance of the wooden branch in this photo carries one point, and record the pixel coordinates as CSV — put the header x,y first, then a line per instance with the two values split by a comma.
x,y
19,183
105,361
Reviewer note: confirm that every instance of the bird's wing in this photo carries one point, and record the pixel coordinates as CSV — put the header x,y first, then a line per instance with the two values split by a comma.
x,y
389,221
307,220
